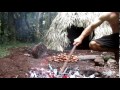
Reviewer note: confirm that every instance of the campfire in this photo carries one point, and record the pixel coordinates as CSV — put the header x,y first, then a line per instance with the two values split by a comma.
x,y
54,73
89,65
69,72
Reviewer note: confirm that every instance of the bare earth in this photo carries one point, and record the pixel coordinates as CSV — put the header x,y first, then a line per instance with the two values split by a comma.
x,y
19,63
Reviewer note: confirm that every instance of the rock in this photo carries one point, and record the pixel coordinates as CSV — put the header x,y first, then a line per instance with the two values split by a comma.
x,y
26,54
97,74
87,73
92,76
99,61
38,50
107,57
112,63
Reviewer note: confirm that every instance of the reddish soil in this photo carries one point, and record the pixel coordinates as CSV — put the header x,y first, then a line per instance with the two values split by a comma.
x,y
17,64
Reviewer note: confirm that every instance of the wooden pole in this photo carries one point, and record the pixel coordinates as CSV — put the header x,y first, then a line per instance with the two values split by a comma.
x,y
69,56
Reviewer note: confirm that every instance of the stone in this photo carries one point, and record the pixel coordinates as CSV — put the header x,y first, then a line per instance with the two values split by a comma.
x,y
112,63
26,54
39,50
107,57
99,61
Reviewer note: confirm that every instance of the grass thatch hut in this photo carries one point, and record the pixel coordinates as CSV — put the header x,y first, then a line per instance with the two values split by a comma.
x,y
68,25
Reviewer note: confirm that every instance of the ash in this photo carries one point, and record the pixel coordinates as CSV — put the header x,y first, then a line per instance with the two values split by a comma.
x,y
108,73
54,73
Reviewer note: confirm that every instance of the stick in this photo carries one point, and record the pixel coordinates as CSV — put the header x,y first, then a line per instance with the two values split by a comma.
x,y
69,56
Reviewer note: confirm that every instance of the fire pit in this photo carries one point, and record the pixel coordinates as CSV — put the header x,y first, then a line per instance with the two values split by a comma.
x,y
88,64
68,73
54,73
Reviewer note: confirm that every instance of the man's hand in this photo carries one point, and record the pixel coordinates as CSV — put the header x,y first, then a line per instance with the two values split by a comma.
x,y
77,41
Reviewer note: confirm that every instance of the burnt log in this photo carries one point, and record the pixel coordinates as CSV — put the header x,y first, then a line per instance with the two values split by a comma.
x,y
87,57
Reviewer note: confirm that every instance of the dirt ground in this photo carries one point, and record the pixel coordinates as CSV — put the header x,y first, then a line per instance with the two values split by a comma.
x,y
18,64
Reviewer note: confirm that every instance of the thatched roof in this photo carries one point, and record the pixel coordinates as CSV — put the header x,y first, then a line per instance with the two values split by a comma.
x,y
56,37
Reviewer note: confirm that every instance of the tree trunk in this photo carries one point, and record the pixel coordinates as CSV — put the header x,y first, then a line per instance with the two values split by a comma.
x,y
4,34
11,26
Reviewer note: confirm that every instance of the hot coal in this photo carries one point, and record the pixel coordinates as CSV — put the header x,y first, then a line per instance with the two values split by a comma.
x,y
61,57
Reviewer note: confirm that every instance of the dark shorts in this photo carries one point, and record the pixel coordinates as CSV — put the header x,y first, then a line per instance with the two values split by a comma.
x,y
109,41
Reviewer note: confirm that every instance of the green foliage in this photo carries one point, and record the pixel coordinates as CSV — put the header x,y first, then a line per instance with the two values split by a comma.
x,y
18,27
4,47
7,28
3,51
24,26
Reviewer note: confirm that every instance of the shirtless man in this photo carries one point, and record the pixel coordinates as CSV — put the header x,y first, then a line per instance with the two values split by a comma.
x,y
105,43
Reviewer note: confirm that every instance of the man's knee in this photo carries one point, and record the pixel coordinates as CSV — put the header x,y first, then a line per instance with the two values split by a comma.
x,y
93,45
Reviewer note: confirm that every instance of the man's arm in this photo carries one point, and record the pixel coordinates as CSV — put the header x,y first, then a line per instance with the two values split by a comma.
x,y
90,28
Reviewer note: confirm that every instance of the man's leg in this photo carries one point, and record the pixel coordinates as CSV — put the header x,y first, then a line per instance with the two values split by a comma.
x,y
97,47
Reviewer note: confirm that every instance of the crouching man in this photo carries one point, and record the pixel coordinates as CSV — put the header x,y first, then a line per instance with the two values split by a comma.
x,y
108,43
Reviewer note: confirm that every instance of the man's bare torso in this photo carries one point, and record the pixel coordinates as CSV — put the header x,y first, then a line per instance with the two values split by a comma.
x,y
113,19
